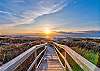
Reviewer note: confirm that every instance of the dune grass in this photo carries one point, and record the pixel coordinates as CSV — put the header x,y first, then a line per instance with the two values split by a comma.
x,y
90,55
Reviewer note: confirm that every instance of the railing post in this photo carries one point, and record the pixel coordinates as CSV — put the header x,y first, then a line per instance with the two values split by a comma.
x,y
65,58
35,57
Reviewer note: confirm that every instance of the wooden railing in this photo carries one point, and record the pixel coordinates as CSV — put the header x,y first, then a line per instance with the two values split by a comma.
x,y
81,61
15,64
66,65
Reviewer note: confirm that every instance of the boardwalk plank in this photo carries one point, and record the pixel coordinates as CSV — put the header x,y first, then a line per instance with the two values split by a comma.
x,y
50,61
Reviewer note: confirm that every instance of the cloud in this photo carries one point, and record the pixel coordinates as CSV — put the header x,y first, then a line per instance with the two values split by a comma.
x,y
26,11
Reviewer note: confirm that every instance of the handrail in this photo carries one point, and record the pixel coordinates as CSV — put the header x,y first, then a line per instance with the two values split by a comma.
x,y
41,59
14,63
69,68
30,68
81,61
60,61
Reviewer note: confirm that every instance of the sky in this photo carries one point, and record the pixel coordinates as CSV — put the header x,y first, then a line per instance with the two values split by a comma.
x,y
29,16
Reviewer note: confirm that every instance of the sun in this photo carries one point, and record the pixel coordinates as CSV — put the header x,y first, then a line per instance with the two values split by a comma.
x,y
47,31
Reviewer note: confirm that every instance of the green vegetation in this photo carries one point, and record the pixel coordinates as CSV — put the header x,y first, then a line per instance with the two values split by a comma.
x,y
88,54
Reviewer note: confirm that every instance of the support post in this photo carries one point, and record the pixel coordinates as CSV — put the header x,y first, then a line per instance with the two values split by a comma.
x,y
65,58
35,57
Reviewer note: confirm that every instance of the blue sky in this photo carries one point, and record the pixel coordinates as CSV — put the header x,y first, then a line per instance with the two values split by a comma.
x,y
57,15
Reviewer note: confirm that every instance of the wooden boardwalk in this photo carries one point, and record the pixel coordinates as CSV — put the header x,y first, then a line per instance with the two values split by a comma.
x,y
50,61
